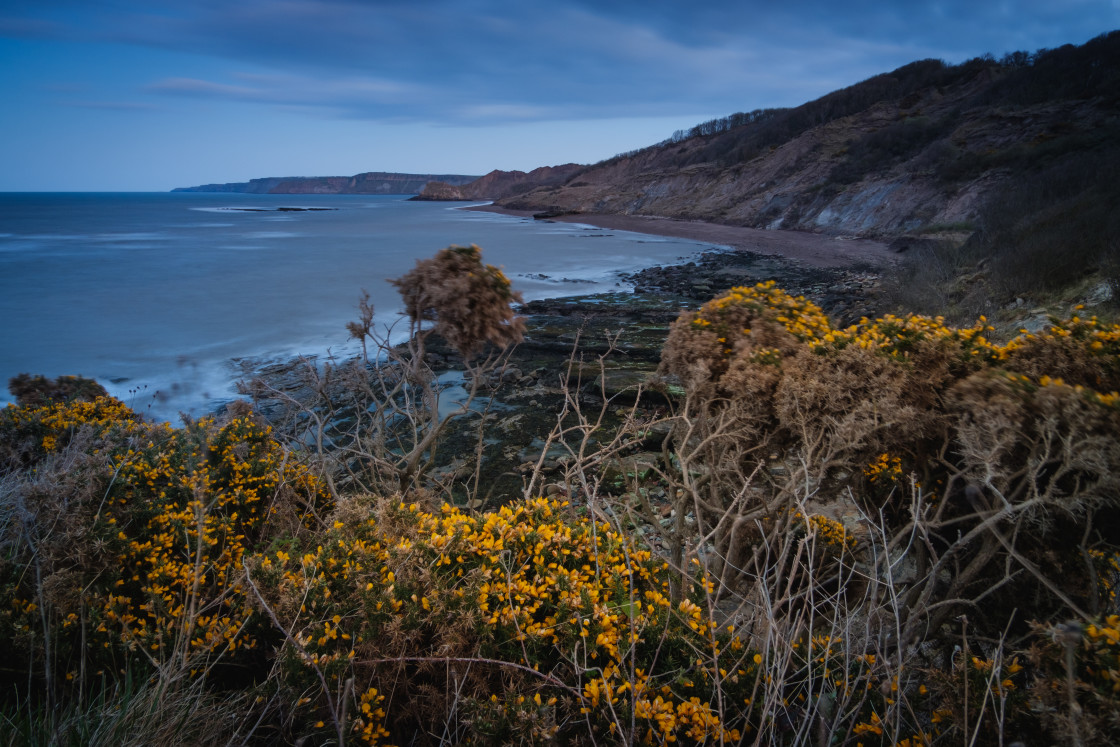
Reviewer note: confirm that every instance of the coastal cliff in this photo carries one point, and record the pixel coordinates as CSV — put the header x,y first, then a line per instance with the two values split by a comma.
x,y
366,183
498,184
926,147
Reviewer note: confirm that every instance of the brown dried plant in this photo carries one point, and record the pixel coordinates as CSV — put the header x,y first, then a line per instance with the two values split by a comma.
x,y
39,390
468,301
376,422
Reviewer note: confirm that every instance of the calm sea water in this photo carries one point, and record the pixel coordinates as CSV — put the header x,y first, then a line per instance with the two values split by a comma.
x,y
155,295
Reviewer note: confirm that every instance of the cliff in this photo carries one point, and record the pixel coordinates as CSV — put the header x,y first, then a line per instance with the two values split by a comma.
x,y
367,183
498,184
253,187
926,146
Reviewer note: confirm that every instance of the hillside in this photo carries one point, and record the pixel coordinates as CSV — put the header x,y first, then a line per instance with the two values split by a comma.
x,y
922,145
1017,154
367,183
498,184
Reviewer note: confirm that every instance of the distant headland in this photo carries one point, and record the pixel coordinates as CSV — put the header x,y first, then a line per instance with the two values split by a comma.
x,y
367,183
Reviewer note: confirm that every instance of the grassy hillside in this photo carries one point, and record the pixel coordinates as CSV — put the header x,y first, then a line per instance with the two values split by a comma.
x,y
1000,173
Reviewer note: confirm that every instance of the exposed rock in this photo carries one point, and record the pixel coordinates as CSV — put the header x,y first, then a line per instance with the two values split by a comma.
x,y
498,184
440,191
1100,293
919,149
1036,323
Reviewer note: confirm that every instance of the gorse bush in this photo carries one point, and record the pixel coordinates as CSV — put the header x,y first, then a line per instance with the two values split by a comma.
x,y
1012,448
376,619
468,301
528,615
895,533
39,390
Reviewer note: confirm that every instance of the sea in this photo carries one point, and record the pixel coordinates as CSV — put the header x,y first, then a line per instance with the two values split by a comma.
x,y
167,298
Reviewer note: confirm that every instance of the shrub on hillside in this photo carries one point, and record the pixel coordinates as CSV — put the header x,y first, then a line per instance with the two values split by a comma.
x,y
468,301
123,540
39,390
530,624
849,505
376,422
533,624
1012,450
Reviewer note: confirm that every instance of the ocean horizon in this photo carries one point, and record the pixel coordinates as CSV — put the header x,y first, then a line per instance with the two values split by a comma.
x,y
158,296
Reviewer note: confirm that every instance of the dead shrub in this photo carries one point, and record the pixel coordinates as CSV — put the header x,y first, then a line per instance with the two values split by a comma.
x,y
375,423
468,301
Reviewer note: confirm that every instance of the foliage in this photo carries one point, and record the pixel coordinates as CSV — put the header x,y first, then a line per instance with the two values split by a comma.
x,y
375,423
882,148
527,612
1011,448
138,712
741,137
39,390
1075,689
123,540
1019,79
469,301
841,502
1051,227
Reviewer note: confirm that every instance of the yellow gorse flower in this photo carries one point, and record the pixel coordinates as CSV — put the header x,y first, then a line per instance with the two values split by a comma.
x,y
179,516
730,318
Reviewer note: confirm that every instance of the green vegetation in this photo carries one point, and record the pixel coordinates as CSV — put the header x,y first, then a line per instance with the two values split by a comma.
x,y
896,533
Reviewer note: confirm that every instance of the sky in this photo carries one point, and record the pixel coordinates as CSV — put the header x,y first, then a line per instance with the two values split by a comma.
x,y
142,95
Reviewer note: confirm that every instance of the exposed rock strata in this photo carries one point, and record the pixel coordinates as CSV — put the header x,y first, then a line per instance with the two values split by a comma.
x,y
498,184
919,149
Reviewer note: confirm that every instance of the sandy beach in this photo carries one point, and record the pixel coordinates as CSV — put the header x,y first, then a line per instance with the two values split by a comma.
x,y
817,250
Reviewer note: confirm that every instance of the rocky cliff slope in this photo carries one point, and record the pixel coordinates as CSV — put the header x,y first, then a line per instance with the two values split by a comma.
x,y
367,183
498,184
926,147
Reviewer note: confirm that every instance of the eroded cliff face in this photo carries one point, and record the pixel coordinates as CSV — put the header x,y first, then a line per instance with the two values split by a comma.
x,y
927,154
498,184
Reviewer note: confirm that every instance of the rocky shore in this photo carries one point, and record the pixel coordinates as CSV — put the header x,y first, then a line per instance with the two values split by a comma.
x,y
600,349
814,249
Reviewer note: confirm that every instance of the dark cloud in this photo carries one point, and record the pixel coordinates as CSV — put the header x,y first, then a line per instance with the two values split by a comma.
x,y
499,60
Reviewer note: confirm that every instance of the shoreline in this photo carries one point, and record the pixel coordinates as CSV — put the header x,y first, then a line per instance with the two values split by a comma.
x,y
605,346
674,285
602,348
813,249
841,275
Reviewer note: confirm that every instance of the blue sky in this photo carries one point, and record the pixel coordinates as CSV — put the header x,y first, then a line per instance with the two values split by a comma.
x,y
131,95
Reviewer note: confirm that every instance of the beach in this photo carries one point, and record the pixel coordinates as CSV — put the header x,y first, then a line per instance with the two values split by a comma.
x,y
817,250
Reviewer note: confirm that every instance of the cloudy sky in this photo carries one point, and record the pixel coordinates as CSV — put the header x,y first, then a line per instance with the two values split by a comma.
x,y
153,94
